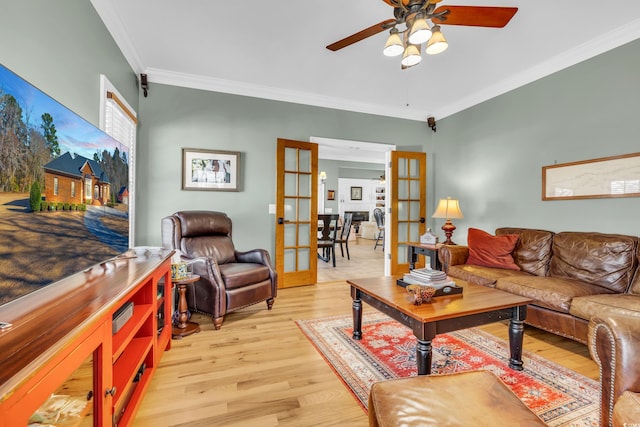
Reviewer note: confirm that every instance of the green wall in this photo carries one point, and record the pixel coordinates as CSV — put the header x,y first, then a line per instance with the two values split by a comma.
x,y
62,47
174,118
490,156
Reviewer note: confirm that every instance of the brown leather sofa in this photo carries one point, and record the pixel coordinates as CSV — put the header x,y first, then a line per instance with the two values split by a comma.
x,y
229,279
614,343
570,276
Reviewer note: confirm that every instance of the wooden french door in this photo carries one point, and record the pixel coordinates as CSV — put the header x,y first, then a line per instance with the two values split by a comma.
x,y
296,213
407,211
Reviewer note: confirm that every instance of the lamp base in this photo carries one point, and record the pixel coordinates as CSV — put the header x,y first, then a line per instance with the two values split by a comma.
x,y
448,228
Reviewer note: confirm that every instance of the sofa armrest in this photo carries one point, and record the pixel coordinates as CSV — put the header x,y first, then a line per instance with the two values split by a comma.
x,y
614,343
450,255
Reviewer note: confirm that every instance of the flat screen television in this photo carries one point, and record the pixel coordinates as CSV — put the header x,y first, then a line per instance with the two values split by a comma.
x,y
64,191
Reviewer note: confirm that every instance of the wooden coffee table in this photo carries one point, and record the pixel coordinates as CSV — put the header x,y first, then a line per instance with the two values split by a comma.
x,y
477,305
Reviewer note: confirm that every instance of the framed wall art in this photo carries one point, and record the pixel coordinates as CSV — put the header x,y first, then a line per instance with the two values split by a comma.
x,y
606,177
210,170
331,194
356,193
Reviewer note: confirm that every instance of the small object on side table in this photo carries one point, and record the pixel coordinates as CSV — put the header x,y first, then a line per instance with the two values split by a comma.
x,y
183,327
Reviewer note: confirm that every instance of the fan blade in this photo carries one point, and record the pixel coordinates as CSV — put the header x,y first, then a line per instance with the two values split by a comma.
x,y
361,35
475,16
394,3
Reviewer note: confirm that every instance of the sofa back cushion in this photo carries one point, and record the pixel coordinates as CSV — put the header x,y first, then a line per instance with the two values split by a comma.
x,y
606,260
635,286
533,250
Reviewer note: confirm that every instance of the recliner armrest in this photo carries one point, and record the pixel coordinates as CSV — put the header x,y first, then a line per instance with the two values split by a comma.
x,y
260,256
614,343
207,269
256,256
452,255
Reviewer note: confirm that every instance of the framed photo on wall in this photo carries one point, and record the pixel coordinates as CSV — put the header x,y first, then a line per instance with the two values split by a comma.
x,y
356,193
605,177
331,194
210,170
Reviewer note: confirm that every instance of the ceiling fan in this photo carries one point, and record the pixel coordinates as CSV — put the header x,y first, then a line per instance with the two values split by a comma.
x,y
413,15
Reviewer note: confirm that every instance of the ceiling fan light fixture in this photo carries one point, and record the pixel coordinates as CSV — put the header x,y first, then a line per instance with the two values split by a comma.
x,y
393,46
437,43
420,31
411,56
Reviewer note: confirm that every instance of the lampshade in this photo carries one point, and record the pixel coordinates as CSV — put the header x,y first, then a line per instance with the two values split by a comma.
x,y
437,43
448,208
411,55
323,176
420,31
393,46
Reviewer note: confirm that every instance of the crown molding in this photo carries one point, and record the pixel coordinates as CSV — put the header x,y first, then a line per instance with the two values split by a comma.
x,y
594,47
109,17
277,94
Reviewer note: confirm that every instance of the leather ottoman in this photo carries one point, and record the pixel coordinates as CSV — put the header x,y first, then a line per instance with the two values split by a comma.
x,y
477,398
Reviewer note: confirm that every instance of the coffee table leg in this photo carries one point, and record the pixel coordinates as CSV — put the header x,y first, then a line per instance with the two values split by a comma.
x,y
423,357
357,318
516,335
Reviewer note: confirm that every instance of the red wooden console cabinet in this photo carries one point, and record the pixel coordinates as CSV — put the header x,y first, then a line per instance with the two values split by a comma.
x,y
62,352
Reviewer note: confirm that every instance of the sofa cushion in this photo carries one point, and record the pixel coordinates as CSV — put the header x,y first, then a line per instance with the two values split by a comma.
x,y
607,260
533,250
626,411
555,293
605,305
479,275
491,251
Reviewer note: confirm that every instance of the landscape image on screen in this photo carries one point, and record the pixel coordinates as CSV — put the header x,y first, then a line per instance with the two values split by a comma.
x,y
64,196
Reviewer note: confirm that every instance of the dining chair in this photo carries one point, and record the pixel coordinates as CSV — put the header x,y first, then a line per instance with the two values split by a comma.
x,y
327,237
344,234
379,216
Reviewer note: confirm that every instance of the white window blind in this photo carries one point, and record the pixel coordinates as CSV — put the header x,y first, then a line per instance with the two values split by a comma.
x,y
119,120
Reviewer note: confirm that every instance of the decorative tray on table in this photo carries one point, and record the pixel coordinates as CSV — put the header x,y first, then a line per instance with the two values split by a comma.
x,y
432,278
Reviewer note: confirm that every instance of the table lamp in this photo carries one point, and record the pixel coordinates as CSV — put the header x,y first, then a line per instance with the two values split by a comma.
x,y
448,208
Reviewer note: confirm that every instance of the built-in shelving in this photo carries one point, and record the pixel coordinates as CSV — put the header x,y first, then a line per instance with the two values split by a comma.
x,y
380,197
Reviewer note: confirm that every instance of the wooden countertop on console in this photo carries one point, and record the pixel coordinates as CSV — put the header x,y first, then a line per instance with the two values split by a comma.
x,y
47,320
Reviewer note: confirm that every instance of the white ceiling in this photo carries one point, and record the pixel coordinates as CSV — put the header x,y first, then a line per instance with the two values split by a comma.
x,y
275,49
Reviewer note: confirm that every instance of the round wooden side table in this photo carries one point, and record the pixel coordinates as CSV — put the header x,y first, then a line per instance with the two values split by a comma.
x,y
183,327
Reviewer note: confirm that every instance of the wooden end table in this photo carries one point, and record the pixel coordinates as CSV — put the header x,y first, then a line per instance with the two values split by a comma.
x,y
183,327
477,305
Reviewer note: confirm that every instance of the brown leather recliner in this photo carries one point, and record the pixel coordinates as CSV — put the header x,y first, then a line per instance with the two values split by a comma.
x,y
230,280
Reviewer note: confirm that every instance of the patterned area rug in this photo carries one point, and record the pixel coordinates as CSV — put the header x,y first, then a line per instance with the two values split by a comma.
x,y
557,395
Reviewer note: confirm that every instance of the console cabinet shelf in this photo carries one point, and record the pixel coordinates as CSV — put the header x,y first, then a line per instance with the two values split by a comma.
x,y
61,350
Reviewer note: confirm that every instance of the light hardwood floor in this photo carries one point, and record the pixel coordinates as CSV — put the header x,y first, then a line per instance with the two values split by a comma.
x,y
260,370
